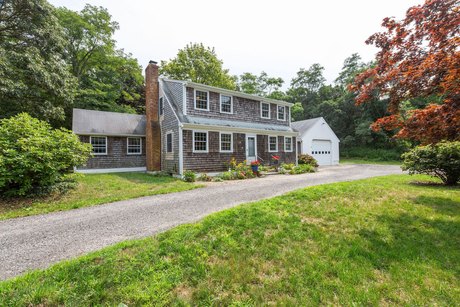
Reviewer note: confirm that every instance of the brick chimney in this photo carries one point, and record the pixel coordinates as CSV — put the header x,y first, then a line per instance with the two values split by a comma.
x,y
152,131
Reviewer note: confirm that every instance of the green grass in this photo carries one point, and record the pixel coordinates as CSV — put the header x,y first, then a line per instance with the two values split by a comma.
x,y
367,161
376,241
93,190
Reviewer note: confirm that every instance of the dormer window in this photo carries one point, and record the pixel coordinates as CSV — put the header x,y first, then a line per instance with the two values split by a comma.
x,y
281,113
265,110
226,104
201,100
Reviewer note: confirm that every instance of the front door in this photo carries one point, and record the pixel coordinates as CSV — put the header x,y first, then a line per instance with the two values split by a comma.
x,y
251,148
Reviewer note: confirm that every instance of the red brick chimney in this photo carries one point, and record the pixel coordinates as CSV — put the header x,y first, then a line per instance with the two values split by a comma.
x,y
152,131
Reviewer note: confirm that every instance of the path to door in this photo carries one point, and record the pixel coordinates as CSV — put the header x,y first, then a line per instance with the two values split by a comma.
x,y
39,241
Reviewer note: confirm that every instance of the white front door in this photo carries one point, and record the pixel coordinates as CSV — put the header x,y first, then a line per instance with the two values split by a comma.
x,y
251,148
321,151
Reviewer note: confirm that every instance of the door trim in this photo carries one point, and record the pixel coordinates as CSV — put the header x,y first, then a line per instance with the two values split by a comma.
x,y
248,161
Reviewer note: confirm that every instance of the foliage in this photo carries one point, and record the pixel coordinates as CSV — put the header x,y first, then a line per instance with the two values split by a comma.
x,y
301,169
33,156
189,176
440,160
287,166
350,246
418,58
199,64
204,177
297,112
372,154
261,85
34,77
237,171
307,159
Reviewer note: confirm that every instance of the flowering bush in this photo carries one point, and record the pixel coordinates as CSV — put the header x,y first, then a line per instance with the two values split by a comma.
x,y
307,159
256,162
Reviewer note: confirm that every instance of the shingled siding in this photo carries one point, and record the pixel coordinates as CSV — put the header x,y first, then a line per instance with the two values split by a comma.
x,y
243,109
265,155
116,157
169,123
213,161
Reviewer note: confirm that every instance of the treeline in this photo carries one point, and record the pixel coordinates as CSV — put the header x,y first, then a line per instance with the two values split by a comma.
x,y
55,59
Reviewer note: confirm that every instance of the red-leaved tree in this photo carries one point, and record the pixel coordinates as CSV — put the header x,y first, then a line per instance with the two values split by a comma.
x,y
419,57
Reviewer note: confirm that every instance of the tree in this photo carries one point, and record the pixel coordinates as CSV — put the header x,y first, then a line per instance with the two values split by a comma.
x,y
199,64
261,85
297,111
418,58
33,74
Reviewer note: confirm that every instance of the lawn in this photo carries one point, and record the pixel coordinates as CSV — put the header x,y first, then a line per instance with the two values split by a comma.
x,y
93,190
376,241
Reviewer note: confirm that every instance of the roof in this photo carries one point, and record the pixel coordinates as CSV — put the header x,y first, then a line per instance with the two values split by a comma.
x,y
87,122
305,125
236,124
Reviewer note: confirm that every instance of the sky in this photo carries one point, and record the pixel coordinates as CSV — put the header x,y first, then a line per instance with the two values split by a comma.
x,y
278,37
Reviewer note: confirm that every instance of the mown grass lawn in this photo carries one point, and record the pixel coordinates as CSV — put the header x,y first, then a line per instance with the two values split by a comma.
x,y
375,241
95,189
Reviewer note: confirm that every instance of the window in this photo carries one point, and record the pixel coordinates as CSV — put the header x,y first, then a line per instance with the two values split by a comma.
x,y
226,104
134,146
99,144
200,141
287,143
201,100
161,106
272,143
281,113
265,110
169,142
226,144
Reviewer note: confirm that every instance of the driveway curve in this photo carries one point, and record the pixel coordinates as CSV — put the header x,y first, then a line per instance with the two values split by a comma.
x,y
38,241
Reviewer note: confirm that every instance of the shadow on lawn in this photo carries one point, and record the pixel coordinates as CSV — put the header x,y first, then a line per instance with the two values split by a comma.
x,y
440,204
413,239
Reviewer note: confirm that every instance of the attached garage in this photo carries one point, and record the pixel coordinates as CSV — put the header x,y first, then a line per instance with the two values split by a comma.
x,y
317,139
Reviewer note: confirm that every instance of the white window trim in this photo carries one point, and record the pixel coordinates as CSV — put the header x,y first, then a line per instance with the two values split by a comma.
x,y
127,146
292,140
106,144
278,114
220,142
207,141
194,100
272,136
220,103
269,109
172,143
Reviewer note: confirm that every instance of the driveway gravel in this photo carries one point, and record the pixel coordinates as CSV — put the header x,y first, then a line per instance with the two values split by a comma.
x,y
38,241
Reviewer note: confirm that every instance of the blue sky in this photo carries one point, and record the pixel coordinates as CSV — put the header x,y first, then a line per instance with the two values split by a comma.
x,y
278,37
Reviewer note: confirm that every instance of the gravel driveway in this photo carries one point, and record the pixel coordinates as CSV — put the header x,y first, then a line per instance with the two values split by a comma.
x,y
39,241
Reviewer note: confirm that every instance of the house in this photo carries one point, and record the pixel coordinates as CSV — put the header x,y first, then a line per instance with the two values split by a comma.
x,y
316,138
187,126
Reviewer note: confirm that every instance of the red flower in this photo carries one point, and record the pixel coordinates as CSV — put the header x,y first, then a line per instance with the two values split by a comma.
x,y
276,158
256,162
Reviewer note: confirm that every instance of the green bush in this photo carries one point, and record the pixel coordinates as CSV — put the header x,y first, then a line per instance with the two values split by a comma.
x,y
189,176
204,177
440,160
301,169
371,154
35,158
307,159
287,166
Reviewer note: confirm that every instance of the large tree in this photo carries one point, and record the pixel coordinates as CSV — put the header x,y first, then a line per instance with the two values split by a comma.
x,y
419,58
199,64
34,77
262,85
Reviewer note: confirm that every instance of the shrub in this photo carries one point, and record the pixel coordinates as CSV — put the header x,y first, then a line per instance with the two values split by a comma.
x,y
440,160
205,177
307,159
301,169
189,176
34,157
226,175
371,154
288,166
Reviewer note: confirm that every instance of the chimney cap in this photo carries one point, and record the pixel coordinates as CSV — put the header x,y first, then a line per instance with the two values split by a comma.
x,y
153,62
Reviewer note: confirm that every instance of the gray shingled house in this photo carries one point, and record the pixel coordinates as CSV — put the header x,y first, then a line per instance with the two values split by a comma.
x,y
187,126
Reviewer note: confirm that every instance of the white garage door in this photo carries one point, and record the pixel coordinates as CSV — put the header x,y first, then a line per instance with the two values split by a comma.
x,y
322,151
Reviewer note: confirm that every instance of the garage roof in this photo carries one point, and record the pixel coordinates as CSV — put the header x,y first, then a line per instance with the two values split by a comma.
x,y
305,125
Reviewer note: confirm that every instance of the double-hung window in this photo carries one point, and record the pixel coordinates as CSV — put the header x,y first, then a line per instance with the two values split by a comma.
x,y
226,104
281,112
169,142
201,100
200,141
134,146
288,144
226,142
272,144
99,144
265,110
